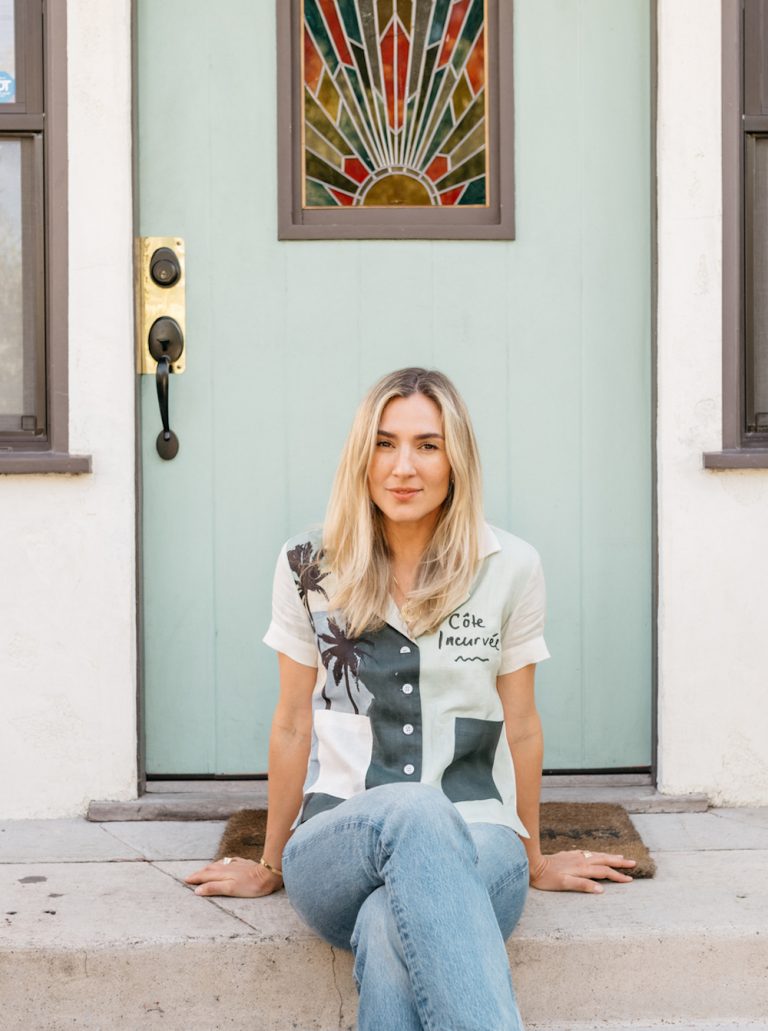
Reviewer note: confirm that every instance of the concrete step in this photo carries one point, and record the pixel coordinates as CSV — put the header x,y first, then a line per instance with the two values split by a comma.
x,y
217,800
99,931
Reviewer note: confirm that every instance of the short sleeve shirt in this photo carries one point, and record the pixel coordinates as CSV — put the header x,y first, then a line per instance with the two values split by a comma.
x,y
389,707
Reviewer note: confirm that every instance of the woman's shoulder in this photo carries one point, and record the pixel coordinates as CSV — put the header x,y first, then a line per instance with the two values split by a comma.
x,y
308,543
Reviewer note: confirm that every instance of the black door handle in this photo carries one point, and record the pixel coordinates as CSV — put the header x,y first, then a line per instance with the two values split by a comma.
x,y
166,343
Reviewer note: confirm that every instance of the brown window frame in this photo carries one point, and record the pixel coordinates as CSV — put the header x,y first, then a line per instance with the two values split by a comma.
x,y
40,111
741,449
496,222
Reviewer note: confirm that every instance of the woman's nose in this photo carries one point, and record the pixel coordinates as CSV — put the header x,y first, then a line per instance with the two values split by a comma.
x,y
404,461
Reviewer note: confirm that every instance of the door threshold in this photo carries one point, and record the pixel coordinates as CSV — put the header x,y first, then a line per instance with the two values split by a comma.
x,y
217,800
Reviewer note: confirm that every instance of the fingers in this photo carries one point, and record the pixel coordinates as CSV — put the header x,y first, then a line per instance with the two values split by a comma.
x,y
612,860
572,883
607,872
214,888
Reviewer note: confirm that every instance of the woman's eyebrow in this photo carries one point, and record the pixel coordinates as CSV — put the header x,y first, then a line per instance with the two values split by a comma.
x,y
419,436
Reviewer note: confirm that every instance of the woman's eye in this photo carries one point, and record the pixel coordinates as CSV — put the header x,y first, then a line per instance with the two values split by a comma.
x,y
429,447
383,443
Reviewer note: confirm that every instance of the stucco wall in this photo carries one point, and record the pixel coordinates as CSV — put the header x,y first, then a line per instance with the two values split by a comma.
x,y
713,554
67,634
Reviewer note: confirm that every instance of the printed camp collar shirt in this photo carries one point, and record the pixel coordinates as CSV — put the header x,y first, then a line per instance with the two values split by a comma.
x,y
391,707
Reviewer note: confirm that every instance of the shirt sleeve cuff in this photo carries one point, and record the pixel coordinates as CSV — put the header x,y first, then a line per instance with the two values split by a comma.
x,y
523,654
295,649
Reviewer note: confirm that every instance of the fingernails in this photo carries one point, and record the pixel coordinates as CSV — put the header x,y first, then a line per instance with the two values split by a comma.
x,y
597,889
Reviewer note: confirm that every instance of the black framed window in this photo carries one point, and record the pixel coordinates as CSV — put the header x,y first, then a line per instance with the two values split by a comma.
x,y
33,240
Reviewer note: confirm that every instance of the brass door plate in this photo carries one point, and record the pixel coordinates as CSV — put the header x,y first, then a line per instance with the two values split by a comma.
x,y
154,302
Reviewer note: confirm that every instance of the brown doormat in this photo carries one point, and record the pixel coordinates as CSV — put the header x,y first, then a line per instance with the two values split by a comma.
x,y
594,826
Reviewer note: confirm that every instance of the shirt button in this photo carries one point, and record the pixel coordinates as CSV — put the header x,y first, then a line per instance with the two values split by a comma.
x,y
409,768
408,728
405,650
407,688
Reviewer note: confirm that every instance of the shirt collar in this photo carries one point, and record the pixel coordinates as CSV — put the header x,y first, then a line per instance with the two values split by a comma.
x,y
489,542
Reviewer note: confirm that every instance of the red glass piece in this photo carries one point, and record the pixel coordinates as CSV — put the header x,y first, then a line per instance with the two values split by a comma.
x,y
337,32
355,169
313,63
438,167
387,48
451,196
342,198
451,35
476,64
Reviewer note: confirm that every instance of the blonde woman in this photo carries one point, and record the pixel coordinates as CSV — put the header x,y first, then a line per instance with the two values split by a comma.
x,y
406,749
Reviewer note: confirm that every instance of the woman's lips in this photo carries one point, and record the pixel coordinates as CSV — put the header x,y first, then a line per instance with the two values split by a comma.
x,y
403,494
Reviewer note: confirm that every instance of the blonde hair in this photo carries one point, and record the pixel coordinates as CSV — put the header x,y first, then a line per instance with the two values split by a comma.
x,y
355,546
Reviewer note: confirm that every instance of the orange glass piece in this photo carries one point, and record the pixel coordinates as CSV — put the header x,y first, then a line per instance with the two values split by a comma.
x,y
450,197
388,69
355,169
438,167
338,34
403,46
455,21
476,64
313,63
342,198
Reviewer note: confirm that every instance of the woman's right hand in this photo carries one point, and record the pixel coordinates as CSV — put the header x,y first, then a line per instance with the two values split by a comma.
x,y
239,878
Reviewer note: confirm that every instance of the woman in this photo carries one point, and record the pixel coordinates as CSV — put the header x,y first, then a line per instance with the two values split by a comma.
x,y
404,822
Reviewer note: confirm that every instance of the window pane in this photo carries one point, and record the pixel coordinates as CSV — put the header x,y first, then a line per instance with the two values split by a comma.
x,y
20,285
757,283
394,104
7,53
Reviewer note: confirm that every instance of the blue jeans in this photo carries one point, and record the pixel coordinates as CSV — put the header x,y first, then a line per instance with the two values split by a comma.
x,y
424,900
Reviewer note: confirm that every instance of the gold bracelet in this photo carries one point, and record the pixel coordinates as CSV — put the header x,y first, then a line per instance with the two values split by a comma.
x,y
271,868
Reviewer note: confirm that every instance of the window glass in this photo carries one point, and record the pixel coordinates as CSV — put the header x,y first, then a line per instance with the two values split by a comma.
x,y
19,285
394,103
757,284
7,53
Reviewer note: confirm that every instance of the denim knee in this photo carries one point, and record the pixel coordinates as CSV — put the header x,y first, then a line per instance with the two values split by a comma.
x,y
425,810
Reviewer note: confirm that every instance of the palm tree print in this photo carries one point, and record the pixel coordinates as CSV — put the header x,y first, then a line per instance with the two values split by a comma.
x,y
342,658
305,566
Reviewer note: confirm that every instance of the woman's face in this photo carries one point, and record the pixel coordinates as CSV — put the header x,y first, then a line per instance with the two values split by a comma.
x,y
409,476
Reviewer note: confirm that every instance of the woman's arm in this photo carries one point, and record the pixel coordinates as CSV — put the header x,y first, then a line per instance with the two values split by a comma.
x,y
563,871
289,743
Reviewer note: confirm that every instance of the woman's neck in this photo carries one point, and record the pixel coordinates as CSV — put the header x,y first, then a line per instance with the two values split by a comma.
x,y
408,541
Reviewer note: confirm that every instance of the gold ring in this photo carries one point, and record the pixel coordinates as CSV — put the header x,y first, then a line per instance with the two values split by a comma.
x,y
586,854
227,859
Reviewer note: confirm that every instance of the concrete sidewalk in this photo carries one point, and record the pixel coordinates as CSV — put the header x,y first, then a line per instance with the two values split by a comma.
x,y
98,931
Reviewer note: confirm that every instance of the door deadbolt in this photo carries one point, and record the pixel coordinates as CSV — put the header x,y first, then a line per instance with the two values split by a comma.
x,y
164,267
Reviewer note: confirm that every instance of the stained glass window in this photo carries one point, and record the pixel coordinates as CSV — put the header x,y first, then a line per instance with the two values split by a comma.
x,y
394,103
7,53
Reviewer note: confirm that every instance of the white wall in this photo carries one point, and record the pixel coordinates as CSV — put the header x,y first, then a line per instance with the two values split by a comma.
x,y
67,633
713,525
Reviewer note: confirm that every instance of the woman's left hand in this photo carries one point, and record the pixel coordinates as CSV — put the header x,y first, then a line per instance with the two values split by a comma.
x,y
578,870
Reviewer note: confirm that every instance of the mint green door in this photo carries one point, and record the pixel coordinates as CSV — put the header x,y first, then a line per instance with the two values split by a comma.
x,y
548,337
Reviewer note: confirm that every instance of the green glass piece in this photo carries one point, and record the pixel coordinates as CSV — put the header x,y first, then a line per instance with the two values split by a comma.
x,y
443,129
314,21
368,24
471,142
462,98
314,141
317,118
474,193
328,96
424,116
316,168
438,21
420,26
472,25
316,196
347,126
470,169
348,11
357,111
437,127
472,116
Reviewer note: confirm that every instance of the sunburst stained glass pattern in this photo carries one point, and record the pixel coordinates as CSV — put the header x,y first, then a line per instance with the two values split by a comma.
x,y
394,103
